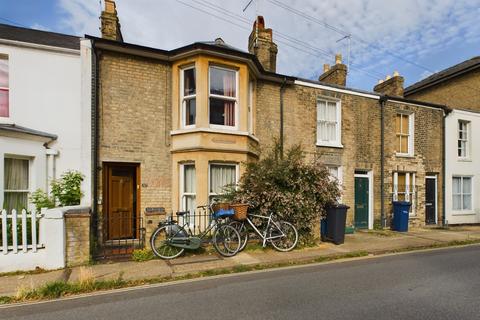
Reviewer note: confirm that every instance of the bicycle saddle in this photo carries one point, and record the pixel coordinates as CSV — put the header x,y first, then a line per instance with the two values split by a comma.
x,y
182,213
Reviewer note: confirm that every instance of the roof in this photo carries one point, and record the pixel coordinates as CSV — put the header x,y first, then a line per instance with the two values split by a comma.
x,y
206,45
39,37
222,44
219,46
444,75
24,130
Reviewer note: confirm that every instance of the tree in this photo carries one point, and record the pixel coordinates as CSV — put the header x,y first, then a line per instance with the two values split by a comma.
x,y
295,189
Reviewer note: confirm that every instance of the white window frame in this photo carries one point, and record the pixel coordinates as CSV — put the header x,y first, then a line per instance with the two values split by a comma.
x,y
408,193
30,176
237,175
337,143
6,119
466,140
250,106
183,194
462,210
411,133
183,98
339,172
235,99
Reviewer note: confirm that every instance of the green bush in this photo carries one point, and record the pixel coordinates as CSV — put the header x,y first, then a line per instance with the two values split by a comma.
x,y
67,190
295,189
41,200
140,255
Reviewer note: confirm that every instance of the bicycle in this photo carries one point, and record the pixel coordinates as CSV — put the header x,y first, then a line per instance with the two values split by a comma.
x,y
282,235
171,239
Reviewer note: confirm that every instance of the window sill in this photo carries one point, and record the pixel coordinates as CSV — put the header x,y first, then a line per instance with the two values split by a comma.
x,y
464,213
464,160
329,145
213,130
404,155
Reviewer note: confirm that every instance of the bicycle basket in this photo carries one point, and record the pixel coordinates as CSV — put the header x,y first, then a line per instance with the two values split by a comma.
x,y
240,211
220,206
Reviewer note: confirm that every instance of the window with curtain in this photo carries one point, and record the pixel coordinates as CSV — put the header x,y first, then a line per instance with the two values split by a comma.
x,y
188,194
16,184
221,176
328,122
462,193
188,96
403,134
223,96
4,87
463,139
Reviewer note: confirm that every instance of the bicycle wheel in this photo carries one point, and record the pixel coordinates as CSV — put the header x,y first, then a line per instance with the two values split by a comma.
x,y
226,240
241,227
285,236
160,246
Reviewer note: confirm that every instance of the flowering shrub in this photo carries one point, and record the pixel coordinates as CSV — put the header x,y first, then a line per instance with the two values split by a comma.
x,y
295,189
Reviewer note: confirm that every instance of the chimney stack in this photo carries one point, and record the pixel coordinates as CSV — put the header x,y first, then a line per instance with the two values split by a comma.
x,y
110,23
260,43
392,86
337,74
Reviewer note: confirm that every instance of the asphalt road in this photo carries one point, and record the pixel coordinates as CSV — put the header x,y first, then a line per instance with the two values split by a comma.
x,y
441,284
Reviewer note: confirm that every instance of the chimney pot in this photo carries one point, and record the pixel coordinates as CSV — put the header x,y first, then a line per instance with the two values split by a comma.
x,y
396,74
338,58
326,67
110,6
388,77
260,43
380,81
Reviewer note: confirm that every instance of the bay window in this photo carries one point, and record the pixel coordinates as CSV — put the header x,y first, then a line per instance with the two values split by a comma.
x,y
463,138
16,184
188,97
328,123
221,176
188,188
222,97
462,193
4,88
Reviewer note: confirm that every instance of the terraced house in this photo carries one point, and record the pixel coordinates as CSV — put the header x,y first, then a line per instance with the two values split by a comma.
x,y
458,87
174,127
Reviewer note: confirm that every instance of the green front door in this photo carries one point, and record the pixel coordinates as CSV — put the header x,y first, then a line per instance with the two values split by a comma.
x,y
361,202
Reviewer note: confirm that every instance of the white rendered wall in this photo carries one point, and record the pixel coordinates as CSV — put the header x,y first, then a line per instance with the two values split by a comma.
x,y
46,95
468,167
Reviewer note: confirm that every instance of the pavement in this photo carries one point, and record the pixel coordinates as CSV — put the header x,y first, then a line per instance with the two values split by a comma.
x,y
373,242
436,284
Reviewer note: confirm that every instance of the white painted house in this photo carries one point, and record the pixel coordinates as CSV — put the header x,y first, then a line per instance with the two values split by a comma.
x,y
462,166
45,98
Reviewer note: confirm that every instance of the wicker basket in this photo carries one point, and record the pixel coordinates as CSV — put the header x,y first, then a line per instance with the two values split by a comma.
x,y
240,211
220,205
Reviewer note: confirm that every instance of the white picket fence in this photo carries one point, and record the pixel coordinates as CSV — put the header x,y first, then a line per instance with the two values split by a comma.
x,y
20,249
28,241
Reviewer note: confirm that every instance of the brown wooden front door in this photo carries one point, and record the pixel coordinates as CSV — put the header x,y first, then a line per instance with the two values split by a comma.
x,y
121,201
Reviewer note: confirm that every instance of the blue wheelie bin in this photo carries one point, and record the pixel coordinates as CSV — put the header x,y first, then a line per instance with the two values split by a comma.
x,y
401,211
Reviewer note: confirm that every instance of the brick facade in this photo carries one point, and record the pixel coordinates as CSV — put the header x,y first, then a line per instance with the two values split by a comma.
x,y
77,229
361,140
459,92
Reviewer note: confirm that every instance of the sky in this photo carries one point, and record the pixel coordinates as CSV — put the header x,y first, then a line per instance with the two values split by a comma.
x,y
414,37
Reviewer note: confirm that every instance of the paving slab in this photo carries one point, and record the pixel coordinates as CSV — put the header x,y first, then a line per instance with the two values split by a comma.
x,y
11,285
